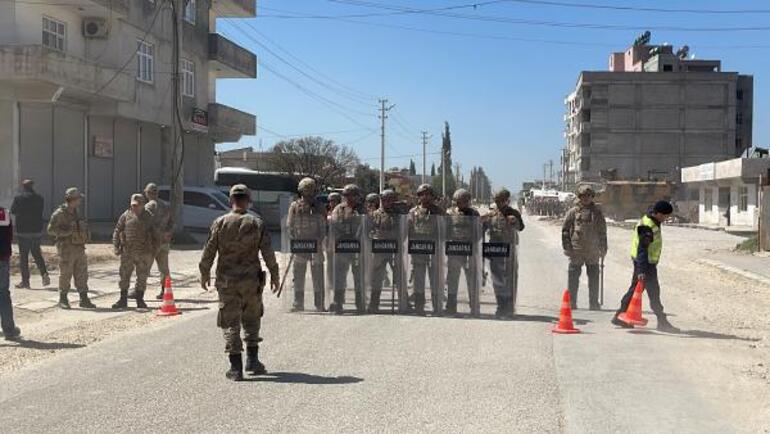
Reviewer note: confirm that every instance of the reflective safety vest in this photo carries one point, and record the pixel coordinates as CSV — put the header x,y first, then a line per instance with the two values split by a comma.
x,y
656,247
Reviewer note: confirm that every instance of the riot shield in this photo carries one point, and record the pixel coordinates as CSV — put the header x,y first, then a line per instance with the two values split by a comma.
x,y
502,257
426,262
463,247
348,264
385,278
303,272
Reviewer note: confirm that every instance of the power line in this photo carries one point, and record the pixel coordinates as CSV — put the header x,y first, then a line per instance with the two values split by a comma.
x,y
340,90
301,15
520,21
642,9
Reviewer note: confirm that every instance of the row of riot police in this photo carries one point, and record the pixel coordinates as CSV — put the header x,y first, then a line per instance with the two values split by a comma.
x,y
405,260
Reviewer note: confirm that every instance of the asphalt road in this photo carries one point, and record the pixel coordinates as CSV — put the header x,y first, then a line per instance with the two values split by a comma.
x,y
400,373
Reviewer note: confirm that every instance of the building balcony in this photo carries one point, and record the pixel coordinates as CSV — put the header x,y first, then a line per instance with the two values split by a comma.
x,y
230,60
120,7
39,73
227,124
235,8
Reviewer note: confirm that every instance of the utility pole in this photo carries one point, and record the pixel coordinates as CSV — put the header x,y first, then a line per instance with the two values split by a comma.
x,y
177,151
425,139
383,115
550,178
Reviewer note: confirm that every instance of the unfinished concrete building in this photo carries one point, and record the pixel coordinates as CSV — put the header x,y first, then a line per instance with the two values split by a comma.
x,y
654,112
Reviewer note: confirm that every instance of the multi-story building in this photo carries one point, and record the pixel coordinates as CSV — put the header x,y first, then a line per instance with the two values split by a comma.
x,y
654,112
86,95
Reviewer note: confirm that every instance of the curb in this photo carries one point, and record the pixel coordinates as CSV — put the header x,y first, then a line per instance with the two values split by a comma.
x,y
734,270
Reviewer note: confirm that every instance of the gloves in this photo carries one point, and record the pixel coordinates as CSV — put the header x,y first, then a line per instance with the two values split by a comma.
x,y
205,281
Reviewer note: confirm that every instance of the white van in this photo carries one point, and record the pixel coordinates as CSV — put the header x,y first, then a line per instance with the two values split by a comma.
x,y
202,205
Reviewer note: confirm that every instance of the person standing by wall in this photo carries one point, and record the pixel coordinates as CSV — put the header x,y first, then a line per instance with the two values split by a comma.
x,y
10,331
27,210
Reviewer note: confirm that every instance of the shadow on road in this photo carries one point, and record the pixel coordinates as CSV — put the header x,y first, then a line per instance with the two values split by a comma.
x,y
299,378
35,345
697,334
193,301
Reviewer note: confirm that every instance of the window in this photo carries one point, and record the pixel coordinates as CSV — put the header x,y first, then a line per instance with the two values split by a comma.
x,y
187,70
743,199
145,55
708,199
54,34
739,117
189,11
739,95
585,164
668,68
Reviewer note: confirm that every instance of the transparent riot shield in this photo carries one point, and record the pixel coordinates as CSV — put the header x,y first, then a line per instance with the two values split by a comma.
x,y
348,245
463,247
501,253
385,279
303,282
426,263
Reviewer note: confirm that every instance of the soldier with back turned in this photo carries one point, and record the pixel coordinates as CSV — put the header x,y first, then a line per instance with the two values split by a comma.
x,y
238,238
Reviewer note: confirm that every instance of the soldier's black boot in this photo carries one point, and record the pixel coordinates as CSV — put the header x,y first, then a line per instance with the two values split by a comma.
x,y
573,283
85,302
318,298
374,303
122,302
63,302
160,294
336,307
419,304
593,287
140,304
46,279
236,368
619,322
299,302
253,365
665,326
451,304
500,311
360,303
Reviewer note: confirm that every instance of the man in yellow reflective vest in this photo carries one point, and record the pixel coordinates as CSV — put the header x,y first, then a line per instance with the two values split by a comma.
x,y
646,248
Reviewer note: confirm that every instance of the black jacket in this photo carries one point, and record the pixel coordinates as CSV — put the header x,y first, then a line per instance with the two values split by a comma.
x,y
27,208
6,237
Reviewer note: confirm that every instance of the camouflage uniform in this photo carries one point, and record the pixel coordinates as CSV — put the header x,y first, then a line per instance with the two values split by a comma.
x,y
346,225
136,240
239,238
70,230
423,225
385,225
307,221
504,271
461,227
161,217
584,239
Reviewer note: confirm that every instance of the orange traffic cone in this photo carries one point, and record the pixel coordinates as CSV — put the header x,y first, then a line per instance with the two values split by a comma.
x,y
565,325
633,315
168,308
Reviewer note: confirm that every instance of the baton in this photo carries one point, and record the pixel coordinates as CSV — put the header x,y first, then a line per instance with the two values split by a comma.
x,y
285,273
601,284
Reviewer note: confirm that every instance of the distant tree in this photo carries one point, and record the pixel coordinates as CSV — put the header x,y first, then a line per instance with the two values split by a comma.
x,y
433,169
446,150
367,179
315,157
412,168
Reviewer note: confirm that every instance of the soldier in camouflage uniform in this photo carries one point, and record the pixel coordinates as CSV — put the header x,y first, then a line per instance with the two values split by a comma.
x,y
70,230
384,226
238,238
161,216
372,203
424,225
584,239
460,227
136,241
307,221
503,225
345,224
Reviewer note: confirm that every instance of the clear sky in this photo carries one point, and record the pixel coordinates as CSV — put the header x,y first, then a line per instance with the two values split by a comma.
x,y
499,79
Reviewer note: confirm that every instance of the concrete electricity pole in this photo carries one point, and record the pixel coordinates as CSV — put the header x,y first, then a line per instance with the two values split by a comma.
x,y
425,138
177,152
383,115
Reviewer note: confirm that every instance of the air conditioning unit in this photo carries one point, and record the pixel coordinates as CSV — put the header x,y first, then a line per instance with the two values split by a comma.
x,y
95,27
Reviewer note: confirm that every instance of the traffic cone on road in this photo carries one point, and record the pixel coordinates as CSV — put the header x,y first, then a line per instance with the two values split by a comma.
x,y
169,307
565,325
633,315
